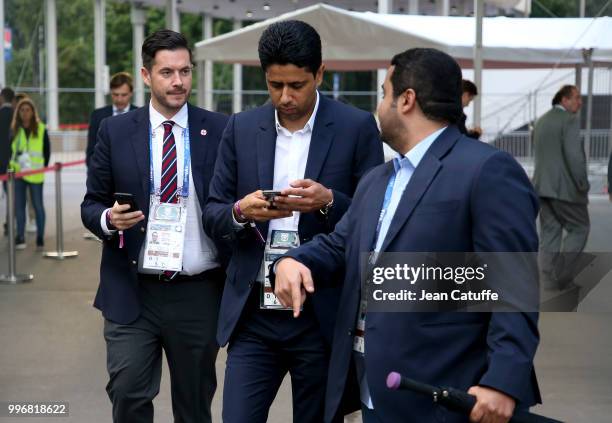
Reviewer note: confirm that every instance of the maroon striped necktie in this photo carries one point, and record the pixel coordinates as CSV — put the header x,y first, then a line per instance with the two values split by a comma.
x,y
168,184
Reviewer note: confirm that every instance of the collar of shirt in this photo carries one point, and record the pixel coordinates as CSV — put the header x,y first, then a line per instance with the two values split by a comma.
x,y
558,106
415,155
308,127
156,118
118,111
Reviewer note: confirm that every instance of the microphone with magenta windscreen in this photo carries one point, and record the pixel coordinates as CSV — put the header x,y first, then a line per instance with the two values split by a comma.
x,y
455,399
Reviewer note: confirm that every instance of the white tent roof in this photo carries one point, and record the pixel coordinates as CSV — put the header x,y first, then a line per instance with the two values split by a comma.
x,y
365,40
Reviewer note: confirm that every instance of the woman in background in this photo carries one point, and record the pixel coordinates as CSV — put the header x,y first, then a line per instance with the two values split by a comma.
x,y
30,151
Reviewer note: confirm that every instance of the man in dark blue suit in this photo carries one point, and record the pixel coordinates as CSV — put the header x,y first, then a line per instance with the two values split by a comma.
x,y
445,192
313,151
163,155
121,89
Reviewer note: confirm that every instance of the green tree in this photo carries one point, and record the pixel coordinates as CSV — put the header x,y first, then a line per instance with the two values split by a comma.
x,y
566,8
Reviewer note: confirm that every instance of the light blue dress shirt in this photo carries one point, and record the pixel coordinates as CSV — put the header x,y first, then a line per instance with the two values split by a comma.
x,y
404,168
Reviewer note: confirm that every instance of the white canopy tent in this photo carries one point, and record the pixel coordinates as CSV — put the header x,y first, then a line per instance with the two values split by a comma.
x,y
365,40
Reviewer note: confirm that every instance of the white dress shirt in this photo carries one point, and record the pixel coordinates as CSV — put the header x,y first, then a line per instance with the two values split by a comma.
x,y
199,252
290,157
117,111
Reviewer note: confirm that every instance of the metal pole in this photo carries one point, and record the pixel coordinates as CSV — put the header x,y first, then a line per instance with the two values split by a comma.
x,y
237,85
138,19
384,7
478,12
11,277
2,64
51,42
588,57
610,94
99,50
173,17
60,254
205,69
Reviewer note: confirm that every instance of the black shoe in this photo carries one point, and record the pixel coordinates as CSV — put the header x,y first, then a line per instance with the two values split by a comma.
x,y
40,244
5,229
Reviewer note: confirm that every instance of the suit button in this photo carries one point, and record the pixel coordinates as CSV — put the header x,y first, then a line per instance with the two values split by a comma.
x,y
351,332
142,229
134,262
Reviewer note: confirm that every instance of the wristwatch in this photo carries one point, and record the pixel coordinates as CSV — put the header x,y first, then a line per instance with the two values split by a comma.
x,y
326,208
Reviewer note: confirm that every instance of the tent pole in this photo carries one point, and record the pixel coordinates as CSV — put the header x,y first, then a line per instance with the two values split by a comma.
x,y
384,6
588,58
478,12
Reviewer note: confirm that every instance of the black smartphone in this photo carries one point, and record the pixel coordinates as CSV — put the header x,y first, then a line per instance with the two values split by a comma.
x,y
127,198
269,194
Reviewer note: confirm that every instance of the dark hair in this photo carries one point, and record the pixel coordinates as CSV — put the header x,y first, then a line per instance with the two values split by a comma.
x,y
164,39
469,87
120,79
290,42
7,94
435,77
565,92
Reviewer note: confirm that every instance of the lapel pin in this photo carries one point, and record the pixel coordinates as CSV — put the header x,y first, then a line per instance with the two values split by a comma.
x,y
203,132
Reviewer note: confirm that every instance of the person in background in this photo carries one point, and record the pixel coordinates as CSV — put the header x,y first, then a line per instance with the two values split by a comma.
x,y
469,91
121,88
6,116
30,150
561,180
31,216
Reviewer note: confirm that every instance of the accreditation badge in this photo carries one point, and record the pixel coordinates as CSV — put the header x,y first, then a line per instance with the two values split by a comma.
x,y
359,338
278,243
165,235
25,161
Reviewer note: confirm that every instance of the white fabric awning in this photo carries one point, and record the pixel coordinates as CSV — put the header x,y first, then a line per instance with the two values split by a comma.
x,y
366,40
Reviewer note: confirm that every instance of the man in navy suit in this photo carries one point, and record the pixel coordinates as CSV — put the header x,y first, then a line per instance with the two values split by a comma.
x,y
444,192
313,151
121,89
163,155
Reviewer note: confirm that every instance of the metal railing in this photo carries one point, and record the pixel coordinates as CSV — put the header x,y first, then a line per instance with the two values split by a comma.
x,y
520,144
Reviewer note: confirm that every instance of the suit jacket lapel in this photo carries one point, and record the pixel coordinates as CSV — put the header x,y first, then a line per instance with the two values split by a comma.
x,y
140,144
420,181
199,150
320,141
372,208
266,150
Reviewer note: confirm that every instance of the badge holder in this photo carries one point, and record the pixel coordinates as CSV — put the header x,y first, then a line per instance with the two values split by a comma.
x,y
278,243
165,235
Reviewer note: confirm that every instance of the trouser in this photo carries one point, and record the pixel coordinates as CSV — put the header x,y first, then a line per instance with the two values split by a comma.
x,y
179,317
36,195
265,346
559,253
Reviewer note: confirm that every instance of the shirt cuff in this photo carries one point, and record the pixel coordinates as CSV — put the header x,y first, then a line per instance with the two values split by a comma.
x,y
103,224
237,225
